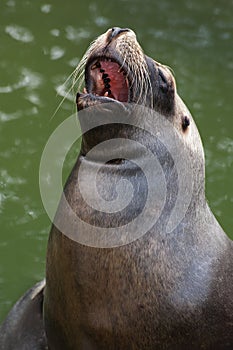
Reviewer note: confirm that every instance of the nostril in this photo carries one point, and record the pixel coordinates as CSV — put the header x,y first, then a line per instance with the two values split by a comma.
x,y
116,31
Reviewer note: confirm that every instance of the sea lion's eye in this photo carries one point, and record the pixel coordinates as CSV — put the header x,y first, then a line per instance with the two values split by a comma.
x,y
163,83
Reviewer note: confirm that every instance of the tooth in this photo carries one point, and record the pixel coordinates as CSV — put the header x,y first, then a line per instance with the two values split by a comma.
x,y
106,94
96,65
84,90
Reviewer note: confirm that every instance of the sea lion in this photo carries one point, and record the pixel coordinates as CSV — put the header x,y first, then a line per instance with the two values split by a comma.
x,y
165,289
23,328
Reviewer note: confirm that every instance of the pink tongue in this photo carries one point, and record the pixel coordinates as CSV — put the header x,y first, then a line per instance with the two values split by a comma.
x,y
118,83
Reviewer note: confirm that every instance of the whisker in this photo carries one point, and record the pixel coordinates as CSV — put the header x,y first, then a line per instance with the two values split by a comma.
x,y
77,75
66,94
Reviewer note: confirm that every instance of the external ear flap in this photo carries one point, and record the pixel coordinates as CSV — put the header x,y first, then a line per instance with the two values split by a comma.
x,y
185,122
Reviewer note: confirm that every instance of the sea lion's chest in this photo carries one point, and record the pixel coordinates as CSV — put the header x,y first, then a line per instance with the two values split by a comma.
x,y
119,294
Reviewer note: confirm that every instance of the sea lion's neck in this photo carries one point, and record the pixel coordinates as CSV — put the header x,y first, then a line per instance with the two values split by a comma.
x,y
112,193
109,139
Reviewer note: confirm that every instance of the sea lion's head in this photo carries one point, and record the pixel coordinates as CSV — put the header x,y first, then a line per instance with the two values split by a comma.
x,y
116,68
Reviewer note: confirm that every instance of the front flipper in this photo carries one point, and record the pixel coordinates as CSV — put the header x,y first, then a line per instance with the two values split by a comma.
x,y
23,328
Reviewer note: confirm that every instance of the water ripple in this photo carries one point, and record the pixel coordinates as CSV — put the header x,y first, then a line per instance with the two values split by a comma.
x,y
56,52
6,178
226,145
27,79
46,8
5,117
76,34
19,33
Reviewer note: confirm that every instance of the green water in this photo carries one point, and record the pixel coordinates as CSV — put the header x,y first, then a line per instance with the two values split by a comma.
x,y
40,44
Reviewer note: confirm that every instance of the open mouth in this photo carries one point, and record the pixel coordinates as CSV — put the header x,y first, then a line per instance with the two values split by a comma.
x,y
105,77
